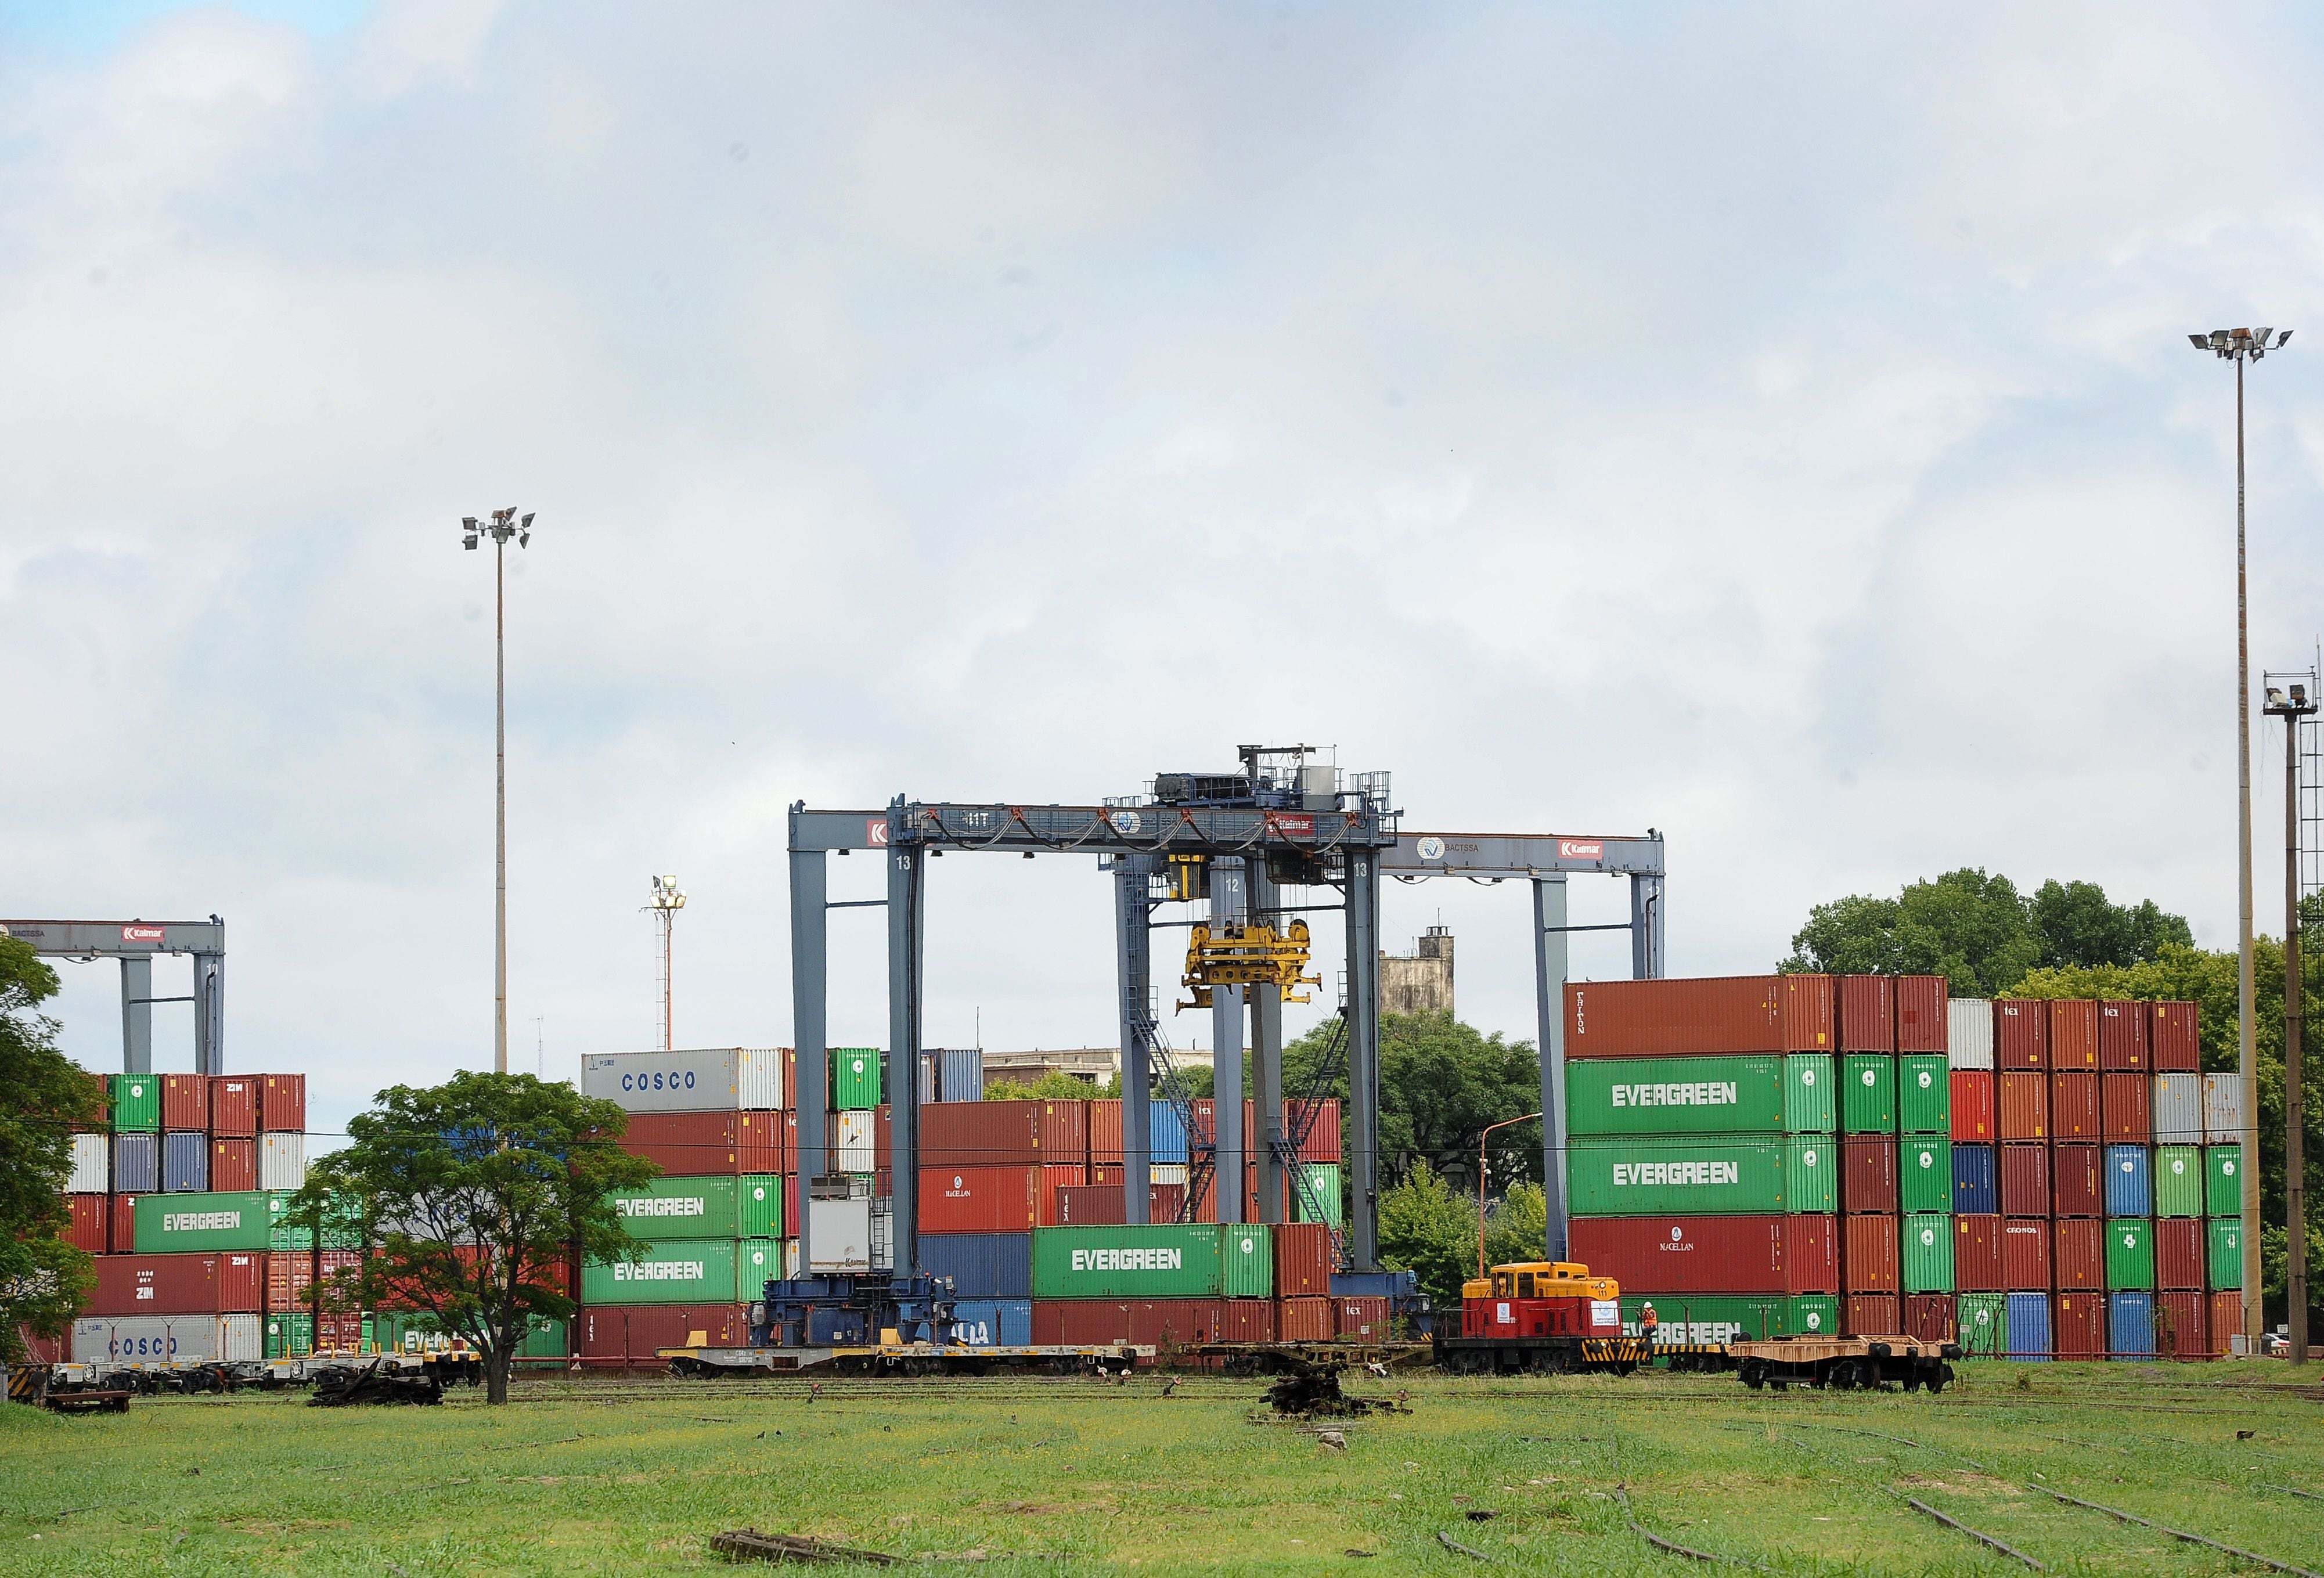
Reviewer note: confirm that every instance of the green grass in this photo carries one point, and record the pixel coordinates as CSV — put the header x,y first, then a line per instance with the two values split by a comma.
x,y
592,1476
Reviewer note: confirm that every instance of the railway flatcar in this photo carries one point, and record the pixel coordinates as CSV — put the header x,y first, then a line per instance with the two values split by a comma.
x,y
1548,1317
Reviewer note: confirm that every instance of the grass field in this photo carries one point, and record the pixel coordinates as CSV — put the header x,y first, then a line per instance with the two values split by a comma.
x,y
593,1475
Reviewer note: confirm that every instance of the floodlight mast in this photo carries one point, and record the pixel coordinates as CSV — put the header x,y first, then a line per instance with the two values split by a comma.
x,y
503,525
2240,346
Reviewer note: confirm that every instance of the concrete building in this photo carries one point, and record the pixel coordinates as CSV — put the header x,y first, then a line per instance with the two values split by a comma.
x,y
1423,982
1092,1064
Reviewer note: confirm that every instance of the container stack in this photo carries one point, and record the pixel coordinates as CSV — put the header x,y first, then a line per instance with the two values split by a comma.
x,y
1176,1286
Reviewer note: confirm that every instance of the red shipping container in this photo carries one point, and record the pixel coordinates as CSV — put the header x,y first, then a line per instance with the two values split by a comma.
x,y
1734,1013
86,1228
2182,1327
290,1277
1872,1315
2078,1253
2178,1253
1868,1254
1711,1254
1065,1134
234,1164
1249,1320
226,1283
1922,1014
2025,1180
1055,1180
625,1336
1105,1133
1163,1202
883,1145
1975,1118
555,1274
2074,1033
43,1350
1867,1174
1977,1266
2124,1036
1868,1013
2078,1180
1305,1320
2126,1107
706,1144
2174,1039
1362,1320
2024,1107
233,1112
2077,1326
1101,1322
186,1103
2074,1105
1303,1260
282,1103
121,1236
2021,1034
2025,1255
1323,1141
2227,1313
983,1134
981,1199
1929,1318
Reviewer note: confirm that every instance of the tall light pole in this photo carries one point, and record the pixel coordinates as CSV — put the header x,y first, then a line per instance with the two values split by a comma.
x,y
503,525
665,904
2240,346
1504,1123
2293,709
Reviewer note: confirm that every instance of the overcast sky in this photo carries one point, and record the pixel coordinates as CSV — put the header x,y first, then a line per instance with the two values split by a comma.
x,y
1772,426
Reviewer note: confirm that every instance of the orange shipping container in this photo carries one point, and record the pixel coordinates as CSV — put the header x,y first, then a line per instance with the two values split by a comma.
x,y
185,1102
2124,1036
1305,1320
234,1164
1303,1260
1364,1320
282,1103
233,1113
1974,1118
2024,1107
2226,1320
1872,1315
2173,1039
1735,1013
2125,1103
1866,1013
2021,1034
2181,1325
2074,1033
1922,1013
1867,1255
2074,1105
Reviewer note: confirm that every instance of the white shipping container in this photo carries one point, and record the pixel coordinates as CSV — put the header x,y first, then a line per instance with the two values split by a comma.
x,y
92,1165
2178,1108
721,1079
858,1145
1166,1172
168,1339
839,1235
2223,1109
1969,1033
282,1161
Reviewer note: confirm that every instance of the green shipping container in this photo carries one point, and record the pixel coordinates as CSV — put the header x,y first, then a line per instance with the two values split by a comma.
x,y
1725,1318
1924,1102
1675,1095
1810,1094
1668,1177
169,1224
1867,1095
1926,1245
1982,1319
677,1271
854,1078
545,1339
2178,1181
1183,1261
282,1233
2223,1183
685,1207
2227,1251
1924,1181
289,1336
1318,1184
2130,1253
757,1262
136,1103
759,1203
1811,1174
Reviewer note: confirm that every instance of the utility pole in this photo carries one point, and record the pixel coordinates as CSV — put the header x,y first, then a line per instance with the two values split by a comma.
x,y
503,526
665,904
2239,346
2294,709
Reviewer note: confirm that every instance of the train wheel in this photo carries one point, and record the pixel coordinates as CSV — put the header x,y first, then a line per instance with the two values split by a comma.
x,y
1754,1376
1938,1377
1840,1377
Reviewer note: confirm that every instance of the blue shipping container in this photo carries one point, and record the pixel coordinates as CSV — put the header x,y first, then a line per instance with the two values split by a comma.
x,y
987,1323
960,1074
1976,1188
136,1164
185,1163
1166,1135
2130,1325
981,1265
2130,1181
2029,1325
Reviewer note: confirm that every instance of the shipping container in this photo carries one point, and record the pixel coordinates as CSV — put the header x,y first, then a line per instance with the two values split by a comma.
x,y
705,1080
1925,1175
1711,1254
2130,1325
1975,1115
2180,1253
1166,1130
290,1279
1811,1178
2130,1182
1924,1099
1742,1014
1679,1095
2123,1037
1247,1320
2028,1332
990,1323
1927,1253
91,1172
2129,1253
2077,1256
959,1074
1322,1141
1302,1260
186,1102
2181,1326
1727,1318
85,1228
2126,1107
840,1234
2024,1107
696,1144
2226,1313
136,1163
1982,1321
2178,1108
228,1283
2223,1109
281,1161
1361,1319
2074,1105
2021,1034
1929,1317
981,1265
1164,1322
1184,1261
233,1107
121,1224
682,1208
1866,1014
2178,1181
627,1336
1868,1096
855,1077
2223,1249
761,1260
136,1100
1104,1203
1976,1180
206,1338
2074,1033
992,1199
2025,1179
2174,1037
2078,1180
1677,1176
850,1144
1868,1254
185,1161
282,1103
1873,1315
234,1164
1318,1194
1868,1175
1969,1033
668,1271
1924,1023
290,1336
983,1134
2223,1185
2077,1326
1306,1320
759,1206
2025,1254
1978,1255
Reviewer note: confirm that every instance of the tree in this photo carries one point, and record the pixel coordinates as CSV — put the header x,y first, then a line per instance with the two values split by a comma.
x,y
1430,1229
44,1099
1442,1081
1054,1085
2077,925
468,1197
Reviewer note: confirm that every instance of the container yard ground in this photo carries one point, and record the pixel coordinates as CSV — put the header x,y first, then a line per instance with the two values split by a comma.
x,y
608,1476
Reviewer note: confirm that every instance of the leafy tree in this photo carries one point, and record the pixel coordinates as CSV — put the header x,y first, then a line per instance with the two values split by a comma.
x,y
1054,1085
44,1099
1442,1082
468,1197
2077,925
1430,1229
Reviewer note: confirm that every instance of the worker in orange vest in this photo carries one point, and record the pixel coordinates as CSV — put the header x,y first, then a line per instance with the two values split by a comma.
x,y
1647,1324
